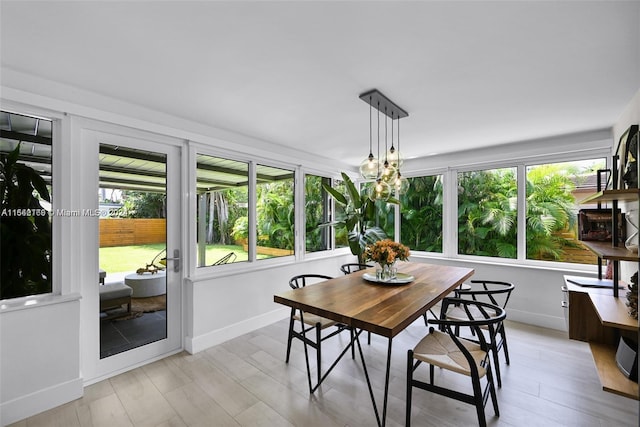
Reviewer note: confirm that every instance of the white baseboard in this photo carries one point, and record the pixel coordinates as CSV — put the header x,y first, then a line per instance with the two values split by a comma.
x,y
537,319
202,342
40,401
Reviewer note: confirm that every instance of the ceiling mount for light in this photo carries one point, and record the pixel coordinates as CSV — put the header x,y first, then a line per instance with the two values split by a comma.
x,y
385,170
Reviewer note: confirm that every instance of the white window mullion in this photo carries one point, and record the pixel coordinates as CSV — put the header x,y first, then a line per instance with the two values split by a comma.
x,y
522,213
450,214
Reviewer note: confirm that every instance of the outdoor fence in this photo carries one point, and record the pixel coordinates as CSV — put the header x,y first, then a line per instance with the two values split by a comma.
x,y
132,231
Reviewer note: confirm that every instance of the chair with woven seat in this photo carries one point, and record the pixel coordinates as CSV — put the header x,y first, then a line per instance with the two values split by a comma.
x,y
353,267
445,349
316,323
496,293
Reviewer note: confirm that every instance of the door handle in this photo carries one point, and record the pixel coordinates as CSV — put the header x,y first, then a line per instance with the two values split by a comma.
x,y
175,259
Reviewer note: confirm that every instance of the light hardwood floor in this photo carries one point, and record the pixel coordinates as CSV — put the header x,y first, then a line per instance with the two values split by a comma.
x,y
551,381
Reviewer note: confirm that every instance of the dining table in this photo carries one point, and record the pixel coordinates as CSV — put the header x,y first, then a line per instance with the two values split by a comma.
x,y
363,302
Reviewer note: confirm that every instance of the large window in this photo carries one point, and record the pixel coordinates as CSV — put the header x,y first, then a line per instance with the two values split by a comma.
x,y
222,210
421,214
553,191
25,211
487,213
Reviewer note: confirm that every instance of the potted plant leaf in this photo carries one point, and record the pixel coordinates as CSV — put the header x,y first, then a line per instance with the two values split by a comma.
x,y
25,229
358,218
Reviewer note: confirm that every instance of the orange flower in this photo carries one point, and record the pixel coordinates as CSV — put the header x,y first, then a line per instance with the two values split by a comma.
x,y
386,252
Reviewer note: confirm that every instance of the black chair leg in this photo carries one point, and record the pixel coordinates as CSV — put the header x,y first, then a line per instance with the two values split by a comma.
x,y
318,352
431,374
492,392
290,337
479,402
409,387
504,344
496,363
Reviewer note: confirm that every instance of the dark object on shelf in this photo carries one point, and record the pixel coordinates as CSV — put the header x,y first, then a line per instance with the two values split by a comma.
x,y
627,358
632,296
596,224
630,176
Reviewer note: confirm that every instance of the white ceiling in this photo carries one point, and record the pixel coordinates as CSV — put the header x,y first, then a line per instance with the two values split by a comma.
x,y
469,74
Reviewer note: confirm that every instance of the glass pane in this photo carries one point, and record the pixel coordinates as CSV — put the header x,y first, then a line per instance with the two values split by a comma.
x,y
222,210
341,235
133,238
487,213
553,191
275,212
421,214
316,206
25,211
384,212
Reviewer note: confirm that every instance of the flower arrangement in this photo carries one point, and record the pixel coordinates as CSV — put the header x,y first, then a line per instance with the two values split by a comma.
x,y
386,252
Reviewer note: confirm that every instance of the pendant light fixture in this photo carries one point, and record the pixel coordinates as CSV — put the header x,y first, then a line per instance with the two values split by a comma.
x,y
386,172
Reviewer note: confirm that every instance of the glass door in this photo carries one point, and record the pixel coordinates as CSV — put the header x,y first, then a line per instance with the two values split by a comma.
x,y
139,251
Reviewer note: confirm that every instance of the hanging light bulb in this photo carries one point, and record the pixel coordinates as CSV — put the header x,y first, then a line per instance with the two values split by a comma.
x,y
380,191
400,184
394,158
388,173
370,167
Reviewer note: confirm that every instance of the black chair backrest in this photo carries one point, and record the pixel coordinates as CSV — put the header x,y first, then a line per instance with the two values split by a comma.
x,y
494,292
479,314
300,281
353,267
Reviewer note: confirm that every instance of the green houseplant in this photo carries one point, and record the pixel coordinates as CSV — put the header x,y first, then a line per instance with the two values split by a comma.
x,y
358,218
25,230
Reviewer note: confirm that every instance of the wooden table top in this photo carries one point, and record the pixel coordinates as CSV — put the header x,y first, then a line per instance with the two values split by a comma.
x,y
383,309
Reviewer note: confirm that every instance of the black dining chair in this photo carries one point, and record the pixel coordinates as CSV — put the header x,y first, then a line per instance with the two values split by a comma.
x,y
493,292
353,267
315,323
444,348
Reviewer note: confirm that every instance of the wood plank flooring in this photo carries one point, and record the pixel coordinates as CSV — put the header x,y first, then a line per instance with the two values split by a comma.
x,y
552,381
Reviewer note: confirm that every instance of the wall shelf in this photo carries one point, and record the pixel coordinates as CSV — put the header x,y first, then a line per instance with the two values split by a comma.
x,y
611,378
629,194
605,250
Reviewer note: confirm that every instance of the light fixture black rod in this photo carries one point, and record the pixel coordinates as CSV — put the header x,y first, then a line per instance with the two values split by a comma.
x,y
375,97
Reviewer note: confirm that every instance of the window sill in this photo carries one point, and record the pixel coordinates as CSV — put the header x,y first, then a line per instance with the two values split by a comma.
x,y
34,301
527,264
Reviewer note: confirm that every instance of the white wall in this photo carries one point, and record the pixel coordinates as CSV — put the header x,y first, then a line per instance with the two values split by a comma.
x,y
230,305
39,357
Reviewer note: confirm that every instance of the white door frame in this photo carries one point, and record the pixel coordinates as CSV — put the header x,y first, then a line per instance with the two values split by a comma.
x,y
90,137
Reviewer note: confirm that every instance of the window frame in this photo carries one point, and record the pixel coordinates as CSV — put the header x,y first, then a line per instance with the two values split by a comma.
x,y
61,167
450,242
